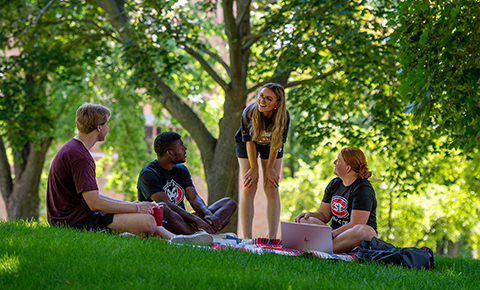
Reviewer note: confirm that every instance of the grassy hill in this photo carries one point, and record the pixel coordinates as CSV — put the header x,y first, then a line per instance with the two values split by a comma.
x,y
36,256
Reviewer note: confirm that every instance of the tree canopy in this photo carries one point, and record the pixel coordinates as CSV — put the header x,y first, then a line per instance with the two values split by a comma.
x,y
440,66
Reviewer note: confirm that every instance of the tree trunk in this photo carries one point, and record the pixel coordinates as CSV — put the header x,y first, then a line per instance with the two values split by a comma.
x,y
23,201
441,246
390,212
218,155
221,172
452,249
6,182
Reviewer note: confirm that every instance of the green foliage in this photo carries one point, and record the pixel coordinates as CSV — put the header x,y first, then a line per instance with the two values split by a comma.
x,y
66,59
31,255
306,40
440,62
48,53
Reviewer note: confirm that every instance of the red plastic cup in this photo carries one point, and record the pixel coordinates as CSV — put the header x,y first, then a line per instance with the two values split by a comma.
x,y
158,215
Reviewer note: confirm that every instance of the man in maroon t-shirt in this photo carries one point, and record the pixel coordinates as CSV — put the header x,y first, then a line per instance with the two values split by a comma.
x,y
73,198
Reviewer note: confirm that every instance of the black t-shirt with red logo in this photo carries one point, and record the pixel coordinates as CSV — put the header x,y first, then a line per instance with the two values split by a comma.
x,y
343,199
243,133
153,178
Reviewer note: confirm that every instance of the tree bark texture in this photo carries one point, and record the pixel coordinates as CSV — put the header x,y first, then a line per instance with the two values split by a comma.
x,y
218,155
21,195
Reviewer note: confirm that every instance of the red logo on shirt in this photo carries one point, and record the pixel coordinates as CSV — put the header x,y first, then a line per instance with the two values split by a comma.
x,y
264,139
339,206
174,191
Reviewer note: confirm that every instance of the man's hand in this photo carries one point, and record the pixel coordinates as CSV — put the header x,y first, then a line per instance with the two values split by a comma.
x,y
213,221
202,225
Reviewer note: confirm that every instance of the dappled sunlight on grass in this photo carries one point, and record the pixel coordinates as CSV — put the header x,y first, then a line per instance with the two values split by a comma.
x,y
32,224
9,264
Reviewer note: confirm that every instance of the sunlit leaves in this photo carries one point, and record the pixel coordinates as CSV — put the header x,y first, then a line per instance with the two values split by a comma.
x,y
441,66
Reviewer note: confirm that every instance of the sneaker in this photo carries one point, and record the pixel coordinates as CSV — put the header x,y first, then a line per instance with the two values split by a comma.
x,y
127,234
199,238
225,236
230,235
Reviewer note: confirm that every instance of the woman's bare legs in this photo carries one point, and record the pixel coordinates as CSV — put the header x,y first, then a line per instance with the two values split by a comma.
x,y
273,199
246,209
353,237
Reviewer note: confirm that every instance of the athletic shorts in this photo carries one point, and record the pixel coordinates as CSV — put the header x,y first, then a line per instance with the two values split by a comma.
x,y
95,221
263,150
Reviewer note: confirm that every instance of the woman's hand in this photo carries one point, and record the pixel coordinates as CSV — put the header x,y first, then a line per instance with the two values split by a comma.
x,y
250,178
307,215
299,217
272,176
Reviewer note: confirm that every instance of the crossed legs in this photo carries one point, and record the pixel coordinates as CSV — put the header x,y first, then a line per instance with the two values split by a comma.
x,y
223,209
350,238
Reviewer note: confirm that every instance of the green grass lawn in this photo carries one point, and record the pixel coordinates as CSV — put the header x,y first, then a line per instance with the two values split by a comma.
x,y
36,256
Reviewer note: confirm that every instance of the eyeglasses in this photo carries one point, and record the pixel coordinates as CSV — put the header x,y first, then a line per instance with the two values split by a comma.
x,y
267,100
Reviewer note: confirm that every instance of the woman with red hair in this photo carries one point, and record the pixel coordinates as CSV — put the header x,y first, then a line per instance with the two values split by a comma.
x,y
349,202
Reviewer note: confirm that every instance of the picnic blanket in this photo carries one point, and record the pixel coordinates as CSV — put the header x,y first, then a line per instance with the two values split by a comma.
x,y
264,245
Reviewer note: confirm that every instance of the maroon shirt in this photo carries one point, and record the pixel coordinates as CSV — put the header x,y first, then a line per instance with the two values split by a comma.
x,y
72,172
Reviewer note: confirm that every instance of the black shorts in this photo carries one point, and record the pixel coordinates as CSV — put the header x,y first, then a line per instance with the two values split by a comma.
x,y
95,221
263,150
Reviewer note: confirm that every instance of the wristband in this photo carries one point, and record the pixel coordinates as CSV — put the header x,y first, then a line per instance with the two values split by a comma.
x,y
138,208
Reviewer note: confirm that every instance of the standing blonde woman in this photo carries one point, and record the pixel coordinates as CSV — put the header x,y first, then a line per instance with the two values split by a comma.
x,y
263,131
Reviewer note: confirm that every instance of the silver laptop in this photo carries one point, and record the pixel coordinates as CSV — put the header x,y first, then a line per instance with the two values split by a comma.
x,y
307,236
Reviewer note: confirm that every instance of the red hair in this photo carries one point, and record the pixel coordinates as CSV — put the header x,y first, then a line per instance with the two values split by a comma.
x,y
357,161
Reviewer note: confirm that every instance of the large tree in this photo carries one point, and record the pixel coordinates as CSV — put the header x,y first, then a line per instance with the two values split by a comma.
x,y
28,102
47,69
294,43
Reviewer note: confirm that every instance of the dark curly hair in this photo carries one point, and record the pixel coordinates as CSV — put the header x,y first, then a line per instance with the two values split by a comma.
x,y
164,142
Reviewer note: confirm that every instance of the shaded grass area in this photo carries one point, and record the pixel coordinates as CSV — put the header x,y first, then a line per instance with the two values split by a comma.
x,y
37,256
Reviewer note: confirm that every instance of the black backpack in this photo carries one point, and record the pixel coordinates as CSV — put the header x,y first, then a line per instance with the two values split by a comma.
x,y
380,251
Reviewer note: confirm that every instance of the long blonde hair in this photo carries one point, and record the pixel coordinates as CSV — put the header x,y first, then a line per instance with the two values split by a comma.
x,y
278,122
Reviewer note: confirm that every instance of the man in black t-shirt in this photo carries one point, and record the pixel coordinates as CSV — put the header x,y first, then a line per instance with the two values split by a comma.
x,y
168,182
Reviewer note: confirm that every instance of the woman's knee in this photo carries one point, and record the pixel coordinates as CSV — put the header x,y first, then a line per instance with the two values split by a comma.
x,y
249,193
268,186
148,225
365,232
271,192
